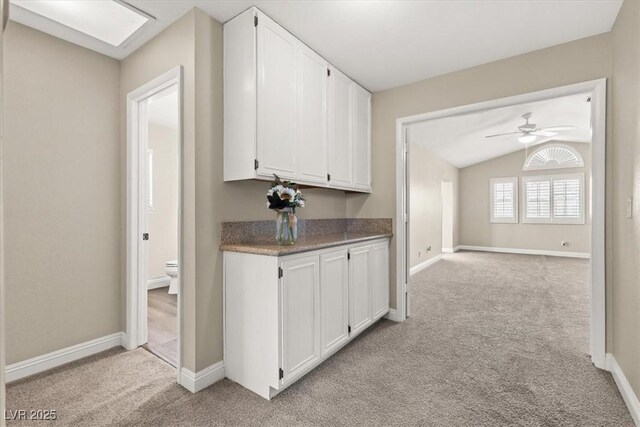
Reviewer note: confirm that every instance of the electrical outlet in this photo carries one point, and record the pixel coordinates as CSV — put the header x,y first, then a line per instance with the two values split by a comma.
x,y
629,207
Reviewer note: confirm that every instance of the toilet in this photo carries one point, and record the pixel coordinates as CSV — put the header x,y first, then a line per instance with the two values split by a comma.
x,y
172,272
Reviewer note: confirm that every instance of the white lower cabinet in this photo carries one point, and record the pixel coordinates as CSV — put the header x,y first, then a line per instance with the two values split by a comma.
x,y
300,312
334,300
285,315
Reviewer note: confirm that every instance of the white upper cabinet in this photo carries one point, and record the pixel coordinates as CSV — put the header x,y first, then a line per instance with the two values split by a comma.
x,y
277,100
340,150
288,112
362,139
312,115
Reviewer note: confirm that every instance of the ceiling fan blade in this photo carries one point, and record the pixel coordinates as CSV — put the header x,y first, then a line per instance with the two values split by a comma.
x,y
503,134
556,128
543,133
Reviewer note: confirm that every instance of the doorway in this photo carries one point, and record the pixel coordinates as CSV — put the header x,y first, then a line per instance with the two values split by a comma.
x,y
597,89
447,216
154,146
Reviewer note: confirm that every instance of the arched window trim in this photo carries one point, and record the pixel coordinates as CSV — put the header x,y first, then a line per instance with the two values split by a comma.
x,y
572,151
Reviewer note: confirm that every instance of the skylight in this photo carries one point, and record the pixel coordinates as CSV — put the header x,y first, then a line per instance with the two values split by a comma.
x,y
107,20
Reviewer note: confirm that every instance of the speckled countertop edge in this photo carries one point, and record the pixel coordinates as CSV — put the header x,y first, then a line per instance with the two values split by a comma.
x,y
305,245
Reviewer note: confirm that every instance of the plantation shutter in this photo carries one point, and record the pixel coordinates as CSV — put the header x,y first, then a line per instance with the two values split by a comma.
x,y
503,197
566,198
504,200
538,202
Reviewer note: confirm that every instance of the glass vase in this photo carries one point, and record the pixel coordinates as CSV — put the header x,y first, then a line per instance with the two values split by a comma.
x,y
286,227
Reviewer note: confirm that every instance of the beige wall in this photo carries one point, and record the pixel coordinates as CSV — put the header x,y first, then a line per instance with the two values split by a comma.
x,y
163,218
625,112
62,194
195,42
477,230
577,61
427,171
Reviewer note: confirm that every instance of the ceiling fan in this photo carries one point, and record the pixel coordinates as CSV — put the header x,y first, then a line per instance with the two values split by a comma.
x,y
530,131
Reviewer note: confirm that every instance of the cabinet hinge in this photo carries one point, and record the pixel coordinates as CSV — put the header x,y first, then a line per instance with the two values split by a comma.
x,y
280,374
328,72
145,236
348,256
280,273
255,21
349,328
328,177
256,163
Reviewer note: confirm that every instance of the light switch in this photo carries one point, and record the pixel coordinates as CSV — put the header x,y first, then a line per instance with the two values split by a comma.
x,y
629,207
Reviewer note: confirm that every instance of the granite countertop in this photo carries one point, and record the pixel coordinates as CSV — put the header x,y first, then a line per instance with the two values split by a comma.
x,y
305,244
257,237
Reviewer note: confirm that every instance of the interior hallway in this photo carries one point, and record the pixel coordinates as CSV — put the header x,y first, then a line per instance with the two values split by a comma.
x,y
494,339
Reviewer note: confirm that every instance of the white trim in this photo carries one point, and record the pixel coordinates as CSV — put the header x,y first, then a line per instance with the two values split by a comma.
x,y
597,88
448,250
392,315
629,397
158,282
424,264
136,290
525,251
38,364
203,379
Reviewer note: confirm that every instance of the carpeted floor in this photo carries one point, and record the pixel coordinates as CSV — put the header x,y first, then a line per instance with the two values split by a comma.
x,y
493,340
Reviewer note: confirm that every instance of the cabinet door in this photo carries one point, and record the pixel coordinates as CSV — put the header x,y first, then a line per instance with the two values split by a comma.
x,y
334,300
300,286
380,279
312,116
340,143
360,307
277,99
362,139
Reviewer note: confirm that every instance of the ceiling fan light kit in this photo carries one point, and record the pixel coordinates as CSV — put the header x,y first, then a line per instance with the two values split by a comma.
x,y
529,132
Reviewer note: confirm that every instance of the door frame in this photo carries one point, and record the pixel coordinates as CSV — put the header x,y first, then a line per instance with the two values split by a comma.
x,y
136,250
598,89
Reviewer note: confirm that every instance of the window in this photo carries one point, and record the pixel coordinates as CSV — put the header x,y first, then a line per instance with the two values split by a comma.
x,y
554,199
504,200
553,156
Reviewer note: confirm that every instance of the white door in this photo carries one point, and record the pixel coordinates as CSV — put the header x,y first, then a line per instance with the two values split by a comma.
x,y
362,138
277,99
340,143
334,300
300,316
312,116
380,278
360,307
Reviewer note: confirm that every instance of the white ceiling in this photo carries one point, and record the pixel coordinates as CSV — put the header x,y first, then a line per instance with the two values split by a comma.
x,y
460,140
163,109
383,44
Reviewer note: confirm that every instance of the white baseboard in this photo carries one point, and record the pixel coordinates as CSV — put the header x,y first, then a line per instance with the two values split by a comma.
x,y
629,397
525,251
158,282
450,250
203,379
424,264
57,358
392,315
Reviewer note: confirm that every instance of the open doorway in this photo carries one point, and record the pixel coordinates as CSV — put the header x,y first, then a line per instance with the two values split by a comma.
x,y
554,189
154,141
447,216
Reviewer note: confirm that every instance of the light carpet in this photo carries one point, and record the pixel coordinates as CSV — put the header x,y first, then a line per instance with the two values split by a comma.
x,y
494,339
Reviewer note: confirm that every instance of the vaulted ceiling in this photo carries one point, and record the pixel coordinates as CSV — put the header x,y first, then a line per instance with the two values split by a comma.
x,y
383,44
461,140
